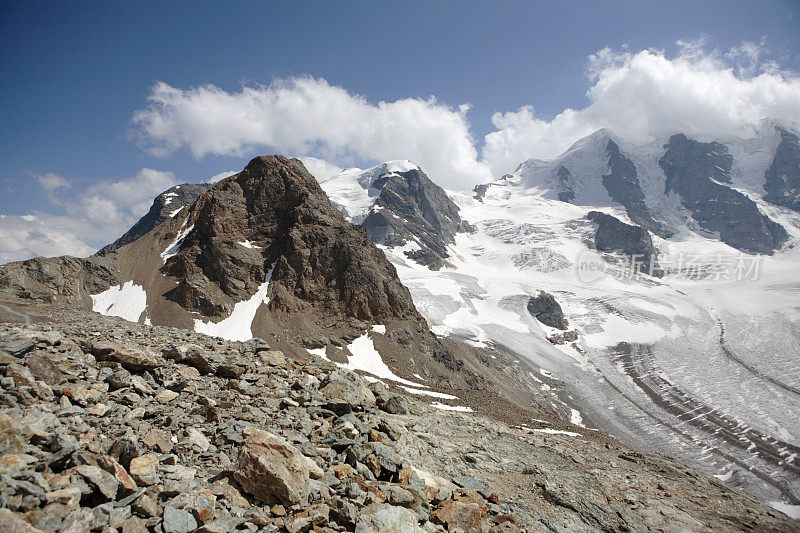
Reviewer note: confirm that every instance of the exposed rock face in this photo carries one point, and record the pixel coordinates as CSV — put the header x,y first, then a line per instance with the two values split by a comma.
x,y
546,309
782,178
564,178
320,260
613,235
165,206
622,184
410,207
63,279
697,172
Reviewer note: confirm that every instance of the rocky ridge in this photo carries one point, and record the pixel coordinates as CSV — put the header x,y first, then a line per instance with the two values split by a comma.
x,y
112,426
165,206
399,206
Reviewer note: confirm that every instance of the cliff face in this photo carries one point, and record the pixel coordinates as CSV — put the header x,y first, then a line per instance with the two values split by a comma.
x,y
782,178
698,172
410,207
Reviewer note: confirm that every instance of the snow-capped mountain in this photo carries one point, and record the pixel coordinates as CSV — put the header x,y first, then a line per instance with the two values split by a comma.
x,y
399,205
695,355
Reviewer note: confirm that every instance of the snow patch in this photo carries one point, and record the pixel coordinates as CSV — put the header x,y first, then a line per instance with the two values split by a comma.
x,y
175,247
792,511
248,244
377,328
127,301
238,326
458,408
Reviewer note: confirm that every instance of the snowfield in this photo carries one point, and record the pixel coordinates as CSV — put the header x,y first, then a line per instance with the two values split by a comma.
x,y
237,326
127,301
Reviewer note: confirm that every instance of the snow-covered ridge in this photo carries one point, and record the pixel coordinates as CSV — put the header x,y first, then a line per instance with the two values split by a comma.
x,y
352,190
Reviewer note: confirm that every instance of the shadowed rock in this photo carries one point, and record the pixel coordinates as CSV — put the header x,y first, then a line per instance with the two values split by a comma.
x,y
698,172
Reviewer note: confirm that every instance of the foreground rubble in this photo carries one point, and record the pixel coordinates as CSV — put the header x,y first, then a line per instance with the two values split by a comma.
x,y
111,426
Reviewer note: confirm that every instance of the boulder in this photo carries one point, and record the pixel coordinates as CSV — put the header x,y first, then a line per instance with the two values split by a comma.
x,y
271,469
132,358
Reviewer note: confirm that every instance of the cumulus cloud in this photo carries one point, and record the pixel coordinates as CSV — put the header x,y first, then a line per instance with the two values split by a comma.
x,y
637,95
221,176
645,95
91,218
306,115
320,168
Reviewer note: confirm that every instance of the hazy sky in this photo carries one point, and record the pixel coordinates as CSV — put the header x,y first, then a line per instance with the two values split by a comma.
x,y
105,104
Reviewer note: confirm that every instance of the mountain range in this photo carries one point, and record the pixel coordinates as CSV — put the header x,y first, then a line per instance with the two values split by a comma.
x,y
649,292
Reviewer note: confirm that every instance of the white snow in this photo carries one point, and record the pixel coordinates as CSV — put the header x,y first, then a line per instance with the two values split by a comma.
x,y
458,408
379,329
128,301
434,394
175,246
792,511
237,326
575,418
175,212
248,244
352,190
367,359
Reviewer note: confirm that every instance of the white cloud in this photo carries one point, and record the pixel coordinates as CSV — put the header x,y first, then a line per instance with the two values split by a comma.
x,y
309,116
638,96
93,217
221,176
319,168
647,94
23,237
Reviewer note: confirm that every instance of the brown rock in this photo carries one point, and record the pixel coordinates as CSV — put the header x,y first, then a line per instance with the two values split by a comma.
x,y
126,483
144,469
10,522
132,358
105,483
271,469
43,368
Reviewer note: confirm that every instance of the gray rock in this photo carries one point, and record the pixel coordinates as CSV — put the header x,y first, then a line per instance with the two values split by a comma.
x,y
384,518
546,309
698,172
177,520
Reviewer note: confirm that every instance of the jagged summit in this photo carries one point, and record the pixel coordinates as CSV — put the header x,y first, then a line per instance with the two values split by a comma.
x,y
400,207
165,206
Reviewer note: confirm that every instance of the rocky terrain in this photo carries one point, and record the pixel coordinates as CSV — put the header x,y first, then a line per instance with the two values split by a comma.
x,y
613,235
111,426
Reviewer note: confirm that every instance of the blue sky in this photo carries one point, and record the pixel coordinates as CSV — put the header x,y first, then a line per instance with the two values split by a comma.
x,y
73,74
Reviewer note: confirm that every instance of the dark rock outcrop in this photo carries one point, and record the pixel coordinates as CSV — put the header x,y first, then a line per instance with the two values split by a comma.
x,y
546,309
698,173
782,178
622,184
613,235
165,206
320,261
410,207
565,192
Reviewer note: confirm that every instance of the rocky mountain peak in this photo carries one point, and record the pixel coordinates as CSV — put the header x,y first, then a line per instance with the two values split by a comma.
x,y
318,260
700,173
